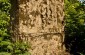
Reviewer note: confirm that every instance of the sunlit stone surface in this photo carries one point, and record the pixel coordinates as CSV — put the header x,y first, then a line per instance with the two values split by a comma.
x,y
41,23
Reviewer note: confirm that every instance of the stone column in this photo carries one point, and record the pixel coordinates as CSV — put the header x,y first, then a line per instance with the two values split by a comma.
x,y
41,23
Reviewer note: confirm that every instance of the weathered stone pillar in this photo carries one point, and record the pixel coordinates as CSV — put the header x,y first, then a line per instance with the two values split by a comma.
x,y
41,23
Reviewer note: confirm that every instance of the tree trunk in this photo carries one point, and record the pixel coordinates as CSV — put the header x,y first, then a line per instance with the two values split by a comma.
x,y
41,23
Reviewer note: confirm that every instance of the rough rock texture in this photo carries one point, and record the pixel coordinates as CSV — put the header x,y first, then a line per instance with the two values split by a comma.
x,y
41,23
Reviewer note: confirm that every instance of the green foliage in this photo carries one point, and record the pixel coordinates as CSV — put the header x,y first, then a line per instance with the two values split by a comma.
x,y
16,48
75,26
4,22
7,47
20,49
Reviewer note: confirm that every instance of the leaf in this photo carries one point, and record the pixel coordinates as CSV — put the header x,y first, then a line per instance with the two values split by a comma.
x,y
10,47
5,53
5,43
18,51
4,0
